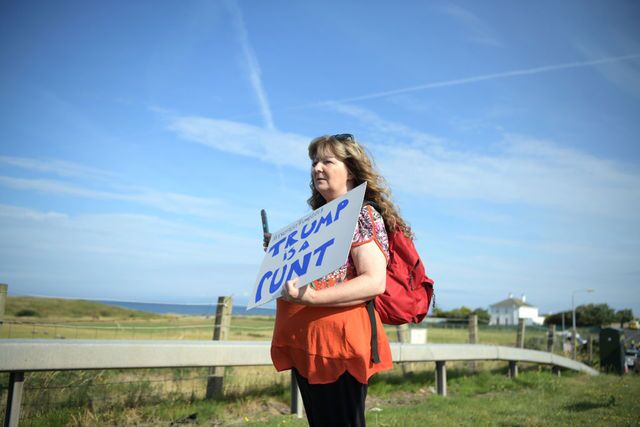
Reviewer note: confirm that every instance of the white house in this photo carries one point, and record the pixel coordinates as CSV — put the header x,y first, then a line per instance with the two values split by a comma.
x,y
508,311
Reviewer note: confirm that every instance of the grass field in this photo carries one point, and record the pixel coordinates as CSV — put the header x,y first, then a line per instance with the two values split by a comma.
x,y
535,398
68,319
259,395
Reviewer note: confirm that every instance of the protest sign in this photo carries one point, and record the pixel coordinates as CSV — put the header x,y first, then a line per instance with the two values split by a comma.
x,y
309,248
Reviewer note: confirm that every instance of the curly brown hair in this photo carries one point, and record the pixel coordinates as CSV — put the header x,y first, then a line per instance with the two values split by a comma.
x,y
346,149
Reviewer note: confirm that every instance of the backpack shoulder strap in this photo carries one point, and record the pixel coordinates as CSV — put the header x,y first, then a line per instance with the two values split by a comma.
x,y
375,357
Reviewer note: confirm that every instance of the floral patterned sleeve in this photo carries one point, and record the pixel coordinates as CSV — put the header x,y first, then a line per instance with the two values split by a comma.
x,y
371,227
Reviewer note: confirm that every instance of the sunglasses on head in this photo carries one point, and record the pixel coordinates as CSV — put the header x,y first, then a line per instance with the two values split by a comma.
x,y
342,137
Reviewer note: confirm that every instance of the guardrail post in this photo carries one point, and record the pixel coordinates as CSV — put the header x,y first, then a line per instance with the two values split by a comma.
x,y
296,398
441,377
555,370
520,337
473,337
551,337
215,382
513,369
14,399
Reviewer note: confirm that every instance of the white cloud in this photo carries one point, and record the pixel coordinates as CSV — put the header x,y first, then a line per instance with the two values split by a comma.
x,y
268,145
128,255
56,166
625,75
526,171
478,30
176,203
252,63
479,78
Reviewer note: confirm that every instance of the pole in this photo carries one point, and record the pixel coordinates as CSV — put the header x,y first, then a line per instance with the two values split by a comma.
x,y
473,337
402,332
520,336
215,381
441,377
551,337
297,405
3,299
14,399
573,330
573,310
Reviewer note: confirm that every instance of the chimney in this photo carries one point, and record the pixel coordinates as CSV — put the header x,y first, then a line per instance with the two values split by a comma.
x,y
524,298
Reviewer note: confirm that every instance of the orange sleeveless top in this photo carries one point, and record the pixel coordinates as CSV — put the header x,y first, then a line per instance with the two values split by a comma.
x,y
324,342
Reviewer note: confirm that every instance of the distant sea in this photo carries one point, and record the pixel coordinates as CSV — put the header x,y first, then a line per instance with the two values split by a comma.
x,y
189,309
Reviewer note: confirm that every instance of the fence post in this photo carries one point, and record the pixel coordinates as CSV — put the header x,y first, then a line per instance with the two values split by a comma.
x,y
3,299
473,337
215,381
513,369
402,332
590,348
441,377
551,337
520,337
296,398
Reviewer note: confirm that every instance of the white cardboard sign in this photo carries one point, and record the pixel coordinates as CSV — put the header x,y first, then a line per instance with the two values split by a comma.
x,y
309,248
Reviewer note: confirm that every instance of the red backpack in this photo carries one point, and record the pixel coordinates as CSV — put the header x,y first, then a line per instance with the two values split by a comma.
x,y
409,290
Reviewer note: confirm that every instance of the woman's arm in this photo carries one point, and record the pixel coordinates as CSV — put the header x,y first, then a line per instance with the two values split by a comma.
x,y
371,265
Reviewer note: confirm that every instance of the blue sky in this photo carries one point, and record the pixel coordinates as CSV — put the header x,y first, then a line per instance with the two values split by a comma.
x,y
139,141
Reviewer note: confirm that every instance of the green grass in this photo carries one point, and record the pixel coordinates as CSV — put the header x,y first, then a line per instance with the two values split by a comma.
x,y
535,398
58,308
70,319
261,395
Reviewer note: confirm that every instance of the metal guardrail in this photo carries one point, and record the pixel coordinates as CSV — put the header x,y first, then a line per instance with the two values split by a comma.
x,y
18,356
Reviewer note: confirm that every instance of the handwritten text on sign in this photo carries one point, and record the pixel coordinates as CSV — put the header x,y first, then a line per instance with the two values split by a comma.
x,y
309,248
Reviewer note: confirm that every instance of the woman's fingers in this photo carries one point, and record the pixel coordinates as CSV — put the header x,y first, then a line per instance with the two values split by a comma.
x,y
289,290
266,240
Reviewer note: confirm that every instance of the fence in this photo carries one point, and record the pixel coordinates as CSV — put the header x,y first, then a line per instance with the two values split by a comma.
x,y
20,356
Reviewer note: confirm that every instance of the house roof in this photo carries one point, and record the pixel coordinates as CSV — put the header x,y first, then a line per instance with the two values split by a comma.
x,y
509,302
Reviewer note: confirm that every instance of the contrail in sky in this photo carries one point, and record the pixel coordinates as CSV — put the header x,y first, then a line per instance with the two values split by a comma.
x,y
467,80
252,63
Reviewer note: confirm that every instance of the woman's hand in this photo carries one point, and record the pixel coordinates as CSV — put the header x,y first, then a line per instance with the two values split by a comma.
x,y
303,295
265,240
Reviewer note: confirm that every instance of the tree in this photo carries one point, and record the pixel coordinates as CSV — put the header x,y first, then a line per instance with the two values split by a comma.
x,y
483,315
586,315
463,313
556,319
624,316
594,315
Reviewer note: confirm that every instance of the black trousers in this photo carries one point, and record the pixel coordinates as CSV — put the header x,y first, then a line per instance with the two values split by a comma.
x,y
336,404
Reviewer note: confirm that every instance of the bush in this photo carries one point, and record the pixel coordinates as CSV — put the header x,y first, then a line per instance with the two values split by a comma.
x,y
27,312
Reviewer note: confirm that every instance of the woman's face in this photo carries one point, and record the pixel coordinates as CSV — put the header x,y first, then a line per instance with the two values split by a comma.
x,y
330,176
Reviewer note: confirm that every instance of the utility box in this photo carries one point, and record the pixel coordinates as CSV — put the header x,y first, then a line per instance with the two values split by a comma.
x,y
612,350
418,336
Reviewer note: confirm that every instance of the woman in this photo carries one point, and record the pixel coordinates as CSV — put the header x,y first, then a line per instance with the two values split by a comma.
x,y
323,331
